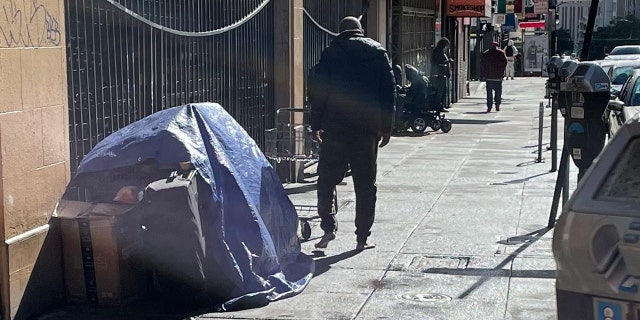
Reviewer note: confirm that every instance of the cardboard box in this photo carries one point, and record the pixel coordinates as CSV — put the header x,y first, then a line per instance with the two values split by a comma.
x,y
101,244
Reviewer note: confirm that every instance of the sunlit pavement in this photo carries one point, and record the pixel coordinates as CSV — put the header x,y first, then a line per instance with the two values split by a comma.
x,y
460,225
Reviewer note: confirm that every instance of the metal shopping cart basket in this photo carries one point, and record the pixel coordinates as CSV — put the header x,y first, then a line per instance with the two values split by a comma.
x,y
293,141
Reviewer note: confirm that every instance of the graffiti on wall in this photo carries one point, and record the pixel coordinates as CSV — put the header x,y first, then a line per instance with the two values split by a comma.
x,y
27,23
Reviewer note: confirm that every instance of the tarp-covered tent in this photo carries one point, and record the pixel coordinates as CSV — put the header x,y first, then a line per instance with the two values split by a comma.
x,y
256,245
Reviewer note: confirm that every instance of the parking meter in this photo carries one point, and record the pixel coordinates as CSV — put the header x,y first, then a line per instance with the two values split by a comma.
x,y
553,83
585,131
564,96
596,241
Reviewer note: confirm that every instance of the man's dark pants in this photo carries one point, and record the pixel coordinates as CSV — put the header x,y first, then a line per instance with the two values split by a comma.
x,y
494,86
360,152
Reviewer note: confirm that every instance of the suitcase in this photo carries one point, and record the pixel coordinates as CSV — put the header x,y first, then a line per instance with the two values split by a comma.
x,y
173,239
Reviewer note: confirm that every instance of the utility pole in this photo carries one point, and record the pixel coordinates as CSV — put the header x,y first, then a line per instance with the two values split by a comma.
x,y
588,34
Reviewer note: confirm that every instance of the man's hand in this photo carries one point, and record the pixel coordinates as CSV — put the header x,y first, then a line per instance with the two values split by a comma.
x,y
384,139
316,136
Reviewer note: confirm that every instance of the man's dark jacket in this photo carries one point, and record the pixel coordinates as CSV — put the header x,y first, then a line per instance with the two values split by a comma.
x,y
352,88
493,62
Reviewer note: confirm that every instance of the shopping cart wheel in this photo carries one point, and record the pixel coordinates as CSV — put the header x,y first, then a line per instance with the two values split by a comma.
x,y
305,228
446,126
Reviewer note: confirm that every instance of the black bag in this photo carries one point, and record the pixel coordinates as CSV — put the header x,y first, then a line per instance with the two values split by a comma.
x,y
173,239
509,51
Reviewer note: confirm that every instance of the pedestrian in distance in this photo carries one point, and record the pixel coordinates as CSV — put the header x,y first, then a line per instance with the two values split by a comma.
x,y
351,96
492,65
511,52
440,71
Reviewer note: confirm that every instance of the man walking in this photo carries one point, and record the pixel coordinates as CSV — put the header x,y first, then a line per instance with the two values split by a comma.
x,y
351,95
511,52
492,65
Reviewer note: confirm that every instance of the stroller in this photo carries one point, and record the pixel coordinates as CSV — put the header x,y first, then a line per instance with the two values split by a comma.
x,y
419,106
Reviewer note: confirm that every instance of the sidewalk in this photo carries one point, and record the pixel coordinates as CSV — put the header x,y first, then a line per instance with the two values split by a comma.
x,y
460,226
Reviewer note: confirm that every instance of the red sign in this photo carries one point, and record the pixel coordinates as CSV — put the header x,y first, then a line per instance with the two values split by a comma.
x,y
469,8
532,24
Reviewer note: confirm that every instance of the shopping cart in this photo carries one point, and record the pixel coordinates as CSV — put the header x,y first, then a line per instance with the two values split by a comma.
x,y
292,140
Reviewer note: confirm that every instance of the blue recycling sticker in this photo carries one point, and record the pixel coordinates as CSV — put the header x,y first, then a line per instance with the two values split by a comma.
x,y
576,127
608,310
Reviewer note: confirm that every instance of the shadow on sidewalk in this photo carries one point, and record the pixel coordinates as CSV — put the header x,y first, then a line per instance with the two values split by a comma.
x,y
409,134
526,241
469,121
323,264
516,181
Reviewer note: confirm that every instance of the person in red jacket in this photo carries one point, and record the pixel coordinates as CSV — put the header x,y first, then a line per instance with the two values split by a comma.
x,y
492,66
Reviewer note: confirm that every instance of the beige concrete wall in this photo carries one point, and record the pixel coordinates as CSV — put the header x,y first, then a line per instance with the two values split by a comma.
x,y
376,27
289,72
34,136
289,46
462,58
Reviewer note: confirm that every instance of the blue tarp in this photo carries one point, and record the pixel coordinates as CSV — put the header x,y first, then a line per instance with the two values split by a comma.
x,y
258,240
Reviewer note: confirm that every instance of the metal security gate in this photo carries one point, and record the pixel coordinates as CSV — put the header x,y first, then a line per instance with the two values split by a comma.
x,y
127,59
321,21
413,32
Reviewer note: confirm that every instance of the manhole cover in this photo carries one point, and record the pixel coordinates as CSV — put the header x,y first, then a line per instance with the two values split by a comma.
x,y
426,263
426,297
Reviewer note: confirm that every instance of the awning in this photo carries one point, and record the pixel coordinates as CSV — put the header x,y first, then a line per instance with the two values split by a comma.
x,y
532,24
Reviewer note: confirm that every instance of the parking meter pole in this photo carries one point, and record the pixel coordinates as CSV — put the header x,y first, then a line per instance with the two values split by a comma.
x,y
553,91
561,187
565,175
554,135
540,127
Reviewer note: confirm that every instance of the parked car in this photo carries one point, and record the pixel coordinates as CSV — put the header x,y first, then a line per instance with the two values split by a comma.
x,y
625,105
628,52
618,71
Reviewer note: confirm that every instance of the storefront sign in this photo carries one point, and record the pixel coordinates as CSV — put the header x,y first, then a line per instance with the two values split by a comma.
x,y
469,8
541,6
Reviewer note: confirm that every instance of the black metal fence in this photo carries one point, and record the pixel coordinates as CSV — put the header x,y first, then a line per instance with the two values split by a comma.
x,y
413,32
130,58
321,21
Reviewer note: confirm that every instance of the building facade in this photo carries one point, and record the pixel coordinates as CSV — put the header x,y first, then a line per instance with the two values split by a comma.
x,y
573,16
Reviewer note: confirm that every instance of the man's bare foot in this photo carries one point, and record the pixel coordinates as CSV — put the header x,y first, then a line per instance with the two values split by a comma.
x,y
364,246
324,241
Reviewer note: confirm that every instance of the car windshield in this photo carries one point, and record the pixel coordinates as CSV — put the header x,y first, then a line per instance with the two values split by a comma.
x,y
625,50
620,74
